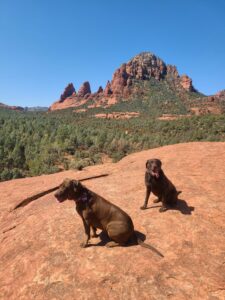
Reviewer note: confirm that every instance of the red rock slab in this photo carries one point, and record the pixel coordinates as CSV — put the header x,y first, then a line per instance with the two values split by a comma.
x,y
40,253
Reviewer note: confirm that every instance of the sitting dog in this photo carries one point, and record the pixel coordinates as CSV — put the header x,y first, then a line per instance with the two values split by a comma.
x,y
96,212
157,183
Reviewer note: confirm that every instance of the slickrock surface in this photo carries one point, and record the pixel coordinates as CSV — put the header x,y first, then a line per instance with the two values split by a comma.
x,y
40,253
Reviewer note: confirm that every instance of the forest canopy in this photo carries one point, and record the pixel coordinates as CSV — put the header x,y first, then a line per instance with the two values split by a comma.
x,y
34,143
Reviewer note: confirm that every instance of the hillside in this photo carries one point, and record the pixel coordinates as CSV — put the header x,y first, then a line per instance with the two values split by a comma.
x,y
5,106
22,109
145,77
40,253
34,143
150,83
147,104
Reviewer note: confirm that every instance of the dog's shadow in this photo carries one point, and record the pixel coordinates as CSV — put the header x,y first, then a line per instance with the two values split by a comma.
x,y
104,239
181,205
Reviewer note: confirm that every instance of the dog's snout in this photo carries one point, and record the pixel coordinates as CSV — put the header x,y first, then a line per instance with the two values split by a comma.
x,y
154,167
56,194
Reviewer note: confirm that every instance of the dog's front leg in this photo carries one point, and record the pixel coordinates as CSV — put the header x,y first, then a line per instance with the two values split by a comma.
x,y
94,232
148,192
87,229
164,205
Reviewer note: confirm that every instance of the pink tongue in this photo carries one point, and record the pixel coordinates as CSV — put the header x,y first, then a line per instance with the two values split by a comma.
x,y
156,174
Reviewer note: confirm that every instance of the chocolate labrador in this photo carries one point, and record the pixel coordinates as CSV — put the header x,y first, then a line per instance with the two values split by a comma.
x,y
96,212
157,183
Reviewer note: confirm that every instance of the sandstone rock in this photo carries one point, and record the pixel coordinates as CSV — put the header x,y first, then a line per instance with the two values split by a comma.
x,y
186,83
40,253
100,90
141,67
119,80
108,90
84,89
69,91
129,82
72,101
209,105
118,115
172,72
146,65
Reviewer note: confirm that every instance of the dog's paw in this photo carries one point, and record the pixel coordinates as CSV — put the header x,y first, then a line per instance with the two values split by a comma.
x,y
95,235
162,209
143,207
111,244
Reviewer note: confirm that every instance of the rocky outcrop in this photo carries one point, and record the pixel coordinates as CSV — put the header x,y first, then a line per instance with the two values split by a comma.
x,y
214,104
84,90
140,68
146,65
73,99
171,72
69,91
108,89
186,83
40,249
118,115
100,90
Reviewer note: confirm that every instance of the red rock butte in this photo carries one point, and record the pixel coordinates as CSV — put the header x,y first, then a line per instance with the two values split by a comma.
x,y
142,67
40,253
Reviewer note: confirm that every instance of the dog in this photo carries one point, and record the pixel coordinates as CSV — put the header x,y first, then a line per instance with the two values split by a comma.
x,y
98,213
157,183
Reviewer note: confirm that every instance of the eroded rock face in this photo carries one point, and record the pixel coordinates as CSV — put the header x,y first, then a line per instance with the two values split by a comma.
x,y
171,72
69,91
40,242
142,67
100,90
214,104
108,89
146,65
84,89
186,83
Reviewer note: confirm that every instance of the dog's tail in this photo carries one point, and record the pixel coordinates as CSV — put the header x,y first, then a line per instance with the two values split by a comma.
x,y
143,244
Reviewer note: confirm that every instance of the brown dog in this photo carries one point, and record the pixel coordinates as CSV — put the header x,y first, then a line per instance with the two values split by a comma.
x,y
96,212
157,183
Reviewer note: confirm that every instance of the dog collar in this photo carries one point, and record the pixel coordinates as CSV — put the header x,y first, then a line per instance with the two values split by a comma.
x,y
84,198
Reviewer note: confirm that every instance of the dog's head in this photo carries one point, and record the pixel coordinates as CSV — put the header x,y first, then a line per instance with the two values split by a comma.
x,y
68,189
153,167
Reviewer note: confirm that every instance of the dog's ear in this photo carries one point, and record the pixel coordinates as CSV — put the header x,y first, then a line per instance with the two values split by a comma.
x,y
76,185
147,162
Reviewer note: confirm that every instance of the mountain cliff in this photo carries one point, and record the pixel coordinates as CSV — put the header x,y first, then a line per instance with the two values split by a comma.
x,y
131,80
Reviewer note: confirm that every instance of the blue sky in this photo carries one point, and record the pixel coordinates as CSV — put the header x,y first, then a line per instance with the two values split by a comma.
x,y
45,44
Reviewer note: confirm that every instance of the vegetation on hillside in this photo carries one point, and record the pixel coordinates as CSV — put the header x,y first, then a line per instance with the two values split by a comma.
x,y
152,97
41,143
